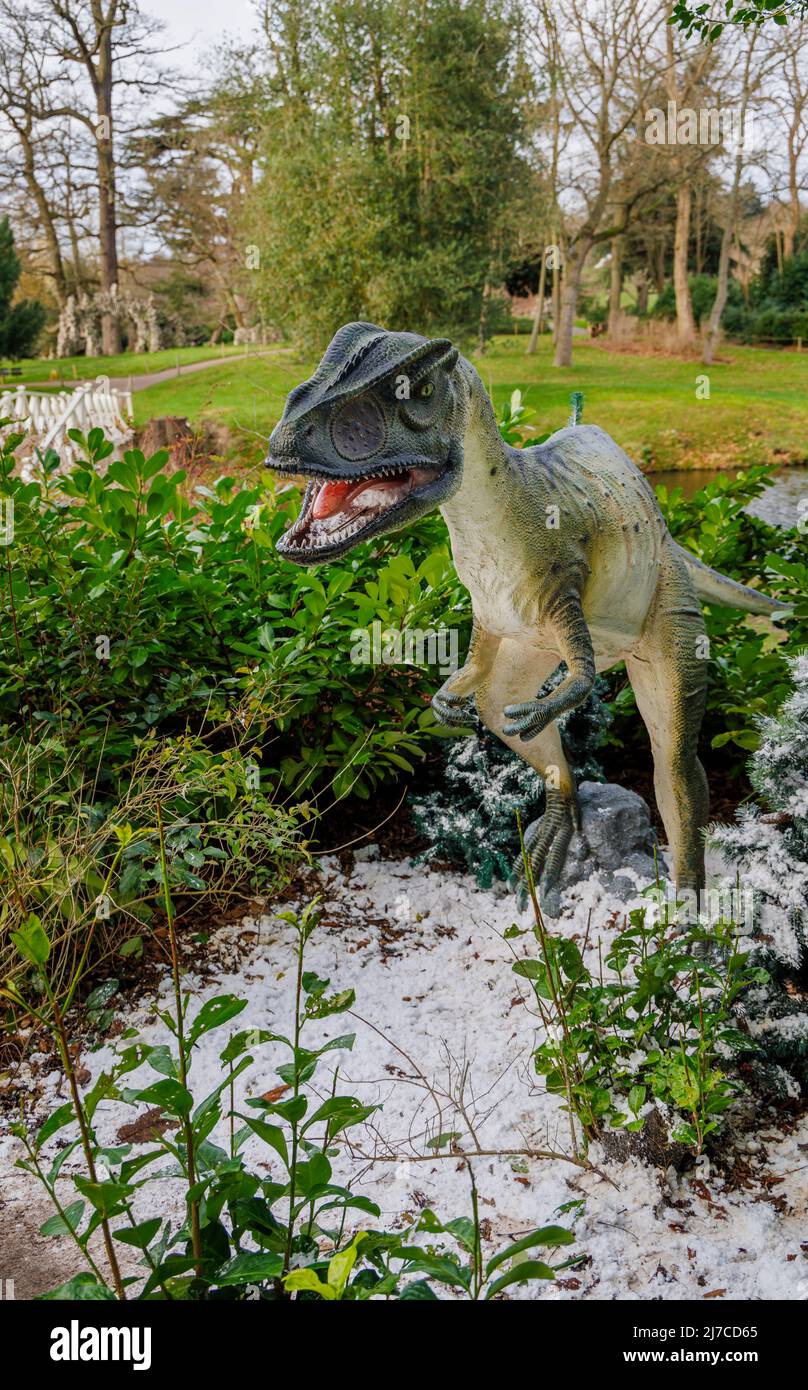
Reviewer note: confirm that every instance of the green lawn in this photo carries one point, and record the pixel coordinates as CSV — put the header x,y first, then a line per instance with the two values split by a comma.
x,y
757,410
128,363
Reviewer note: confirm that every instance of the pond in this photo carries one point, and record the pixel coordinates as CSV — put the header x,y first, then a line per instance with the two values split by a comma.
x,y
780,505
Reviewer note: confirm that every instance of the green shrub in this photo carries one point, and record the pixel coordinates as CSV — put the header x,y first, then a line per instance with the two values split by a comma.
x,y
245,1234
128,608
702,297
658,1027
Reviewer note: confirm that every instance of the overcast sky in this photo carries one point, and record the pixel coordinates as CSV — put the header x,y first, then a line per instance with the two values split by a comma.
x,y
198,23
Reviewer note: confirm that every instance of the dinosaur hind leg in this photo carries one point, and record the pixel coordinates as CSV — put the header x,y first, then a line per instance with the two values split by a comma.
x,y
518,673
669,676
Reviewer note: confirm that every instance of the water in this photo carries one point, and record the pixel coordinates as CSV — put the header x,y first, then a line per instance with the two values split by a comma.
x,y
780,505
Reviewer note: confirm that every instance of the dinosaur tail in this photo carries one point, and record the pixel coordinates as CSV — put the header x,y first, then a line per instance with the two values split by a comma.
x,y
713,587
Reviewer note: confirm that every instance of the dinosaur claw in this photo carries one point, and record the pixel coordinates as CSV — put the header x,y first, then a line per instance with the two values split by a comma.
x,y
454,711
527,720
546,844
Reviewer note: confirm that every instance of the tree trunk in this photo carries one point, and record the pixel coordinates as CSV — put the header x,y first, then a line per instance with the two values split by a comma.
x,y
685,325
722,287
721,291
482,322
573,267
539,314
642,292
556,301
107,217
793,225
47,225
615,287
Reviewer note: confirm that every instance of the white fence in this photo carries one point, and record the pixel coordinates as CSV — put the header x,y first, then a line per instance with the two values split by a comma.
x,y
48,415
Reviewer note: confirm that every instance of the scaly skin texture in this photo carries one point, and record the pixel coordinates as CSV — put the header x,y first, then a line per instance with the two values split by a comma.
x,y
562,547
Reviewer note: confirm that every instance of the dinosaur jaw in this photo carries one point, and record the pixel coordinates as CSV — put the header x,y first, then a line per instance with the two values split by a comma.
x,y
338,513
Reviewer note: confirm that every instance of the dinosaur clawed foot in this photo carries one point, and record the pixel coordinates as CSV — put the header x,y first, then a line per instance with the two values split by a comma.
x,y
528,719
455,711
546,843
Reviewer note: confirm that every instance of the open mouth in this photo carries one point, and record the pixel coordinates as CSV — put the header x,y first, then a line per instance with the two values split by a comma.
x,y
338,512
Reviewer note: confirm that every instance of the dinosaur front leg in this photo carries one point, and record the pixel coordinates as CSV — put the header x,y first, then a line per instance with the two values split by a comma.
x,y
568,625
454,703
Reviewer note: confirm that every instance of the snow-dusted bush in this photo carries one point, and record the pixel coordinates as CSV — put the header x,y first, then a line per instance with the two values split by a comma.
x,y
471,819
769,851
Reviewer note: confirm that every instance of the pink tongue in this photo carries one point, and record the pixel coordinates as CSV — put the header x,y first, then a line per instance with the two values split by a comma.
x,y
333,497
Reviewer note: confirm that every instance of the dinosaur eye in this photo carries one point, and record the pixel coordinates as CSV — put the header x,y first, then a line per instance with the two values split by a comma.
x,y
426,389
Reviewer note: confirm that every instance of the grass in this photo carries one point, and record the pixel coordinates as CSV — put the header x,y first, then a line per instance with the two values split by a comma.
x,y
128,363
247,395
757,411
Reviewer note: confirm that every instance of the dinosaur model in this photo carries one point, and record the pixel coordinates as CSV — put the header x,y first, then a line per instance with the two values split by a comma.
x,y
561,546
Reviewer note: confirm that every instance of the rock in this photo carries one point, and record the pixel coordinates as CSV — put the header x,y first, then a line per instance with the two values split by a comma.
x,y
616,834
651,1144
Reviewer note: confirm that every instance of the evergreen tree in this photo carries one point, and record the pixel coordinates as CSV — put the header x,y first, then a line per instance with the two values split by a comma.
x,y
22,323
769,851
392,167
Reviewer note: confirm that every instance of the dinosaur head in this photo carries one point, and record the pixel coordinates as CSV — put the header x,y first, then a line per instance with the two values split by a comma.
x,y
376,432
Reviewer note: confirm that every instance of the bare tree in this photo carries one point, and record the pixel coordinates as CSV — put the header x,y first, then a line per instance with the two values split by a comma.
x,y
609,59
24,86
791,100
683,81
74,64
756,62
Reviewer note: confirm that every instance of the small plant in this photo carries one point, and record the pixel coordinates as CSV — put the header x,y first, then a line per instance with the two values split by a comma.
x,y
656,1023
512,418
244,1235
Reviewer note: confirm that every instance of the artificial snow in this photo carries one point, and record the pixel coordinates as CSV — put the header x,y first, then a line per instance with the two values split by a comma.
x,y
444,1034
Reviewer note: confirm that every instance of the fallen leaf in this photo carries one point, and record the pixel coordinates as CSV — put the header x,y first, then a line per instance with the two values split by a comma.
x,y
150,1125
275,1094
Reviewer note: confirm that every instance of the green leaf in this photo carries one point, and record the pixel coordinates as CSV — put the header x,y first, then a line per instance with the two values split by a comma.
x,y
272,1135
322,1006
32,941
636,1099
341,1264
214,1013
106,1197
544,1235
520,1274
61,1117
249,1268
169,1094
56,1226
306,1281
140,1236
83,1288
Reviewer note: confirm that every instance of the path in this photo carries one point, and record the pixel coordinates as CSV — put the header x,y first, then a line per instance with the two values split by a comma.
x,y
144,379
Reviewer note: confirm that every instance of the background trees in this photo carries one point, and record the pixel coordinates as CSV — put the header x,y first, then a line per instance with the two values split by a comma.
x,y
393,183
20,323
408,161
